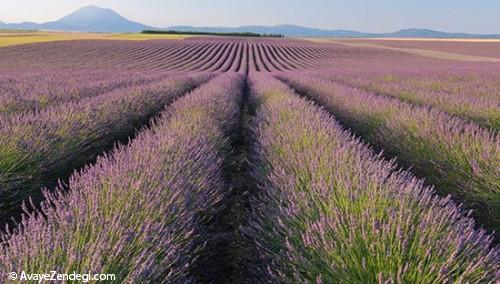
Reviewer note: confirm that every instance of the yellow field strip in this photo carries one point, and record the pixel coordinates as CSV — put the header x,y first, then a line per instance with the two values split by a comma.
x,y
9,38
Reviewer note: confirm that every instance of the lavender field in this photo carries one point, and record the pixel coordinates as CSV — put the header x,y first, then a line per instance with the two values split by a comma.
x,y
248,160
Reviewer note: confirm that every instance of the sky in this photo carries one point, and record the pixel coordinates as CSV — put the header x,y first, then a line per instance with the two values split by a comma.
x,y
473,16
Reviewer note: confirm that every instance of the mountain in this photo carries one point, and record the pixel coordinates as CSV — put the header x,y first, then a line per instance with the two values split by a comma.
x,y
22,26
287,30
298,31
96,19
87,19
437,34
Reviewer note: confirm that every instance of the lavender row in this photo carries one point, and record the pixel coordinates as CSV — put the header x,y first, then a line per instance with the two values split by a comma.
x,y
330,211
460,158
142,213
38,148
480,106
27,92
477,82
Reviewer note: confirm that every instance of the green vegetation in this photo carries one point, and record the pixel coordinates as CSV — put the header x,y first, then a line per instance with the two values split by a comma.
x,y
243,34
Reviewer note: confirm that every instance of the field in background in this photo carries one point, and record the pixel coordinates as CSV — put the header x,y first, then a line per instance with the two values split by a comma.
x,y
10,37
197,54
481,50
472,50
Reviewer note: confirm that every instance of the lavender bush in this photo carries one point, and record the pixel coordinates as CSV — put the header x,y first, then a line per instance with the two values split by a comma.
x,y
330,211
26,92
481,105
140,213
36,148
460,158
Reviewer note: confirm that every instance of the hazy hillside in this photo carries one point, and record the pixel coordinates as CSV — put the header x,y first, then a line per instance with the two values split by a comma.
x,y
96,19
298,31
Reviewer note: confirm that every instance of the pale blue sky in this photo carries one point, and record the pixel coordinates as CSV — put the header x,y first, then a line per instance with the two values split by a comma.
x,y
477,16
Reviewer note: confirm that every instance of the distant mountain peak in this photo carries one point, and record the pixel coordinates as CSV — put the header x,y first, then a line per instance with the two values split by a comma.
x,y
95,10
93,19
92,13
93,7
